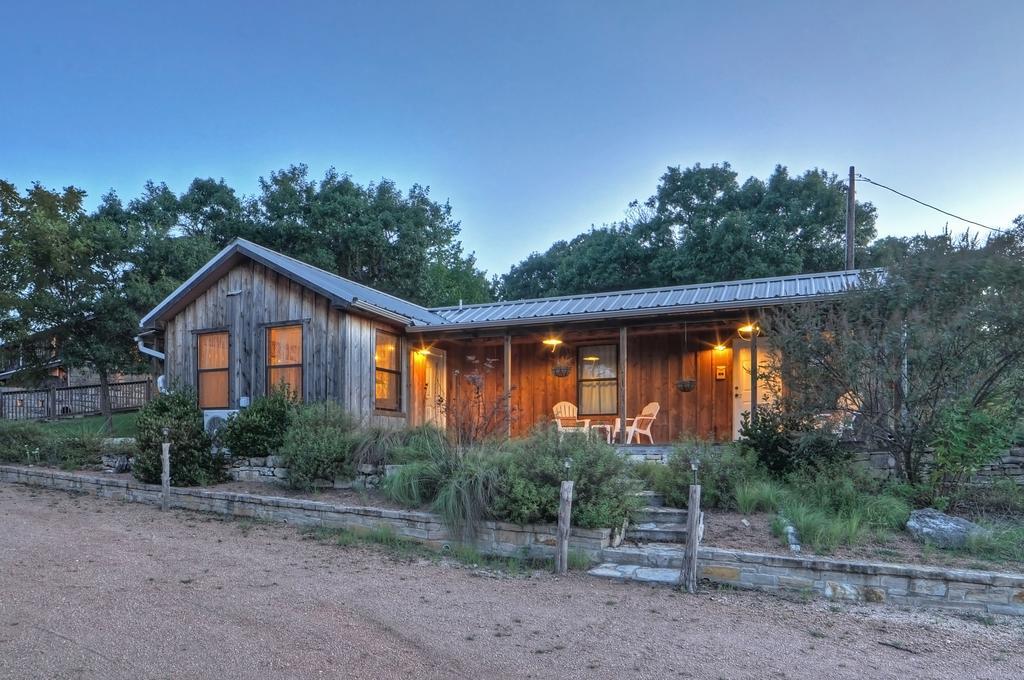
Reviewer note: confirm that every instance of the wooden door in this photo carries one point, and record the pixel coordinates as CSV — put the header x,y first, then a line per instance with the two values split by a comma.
x,y
435,387
768,387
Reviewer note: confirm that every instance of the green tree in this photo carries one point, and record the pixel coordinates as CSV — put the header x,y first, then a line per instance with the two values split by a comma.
x,y
68,270
702,225
933,335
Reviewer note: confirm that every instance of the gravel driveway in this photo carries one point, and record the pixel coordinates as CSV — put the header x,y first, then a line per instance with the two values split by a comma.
x,y
92,588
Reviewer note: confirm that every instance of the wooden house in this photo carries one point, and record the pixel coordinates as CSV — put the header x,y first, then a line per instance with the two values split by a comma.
x,y
252,320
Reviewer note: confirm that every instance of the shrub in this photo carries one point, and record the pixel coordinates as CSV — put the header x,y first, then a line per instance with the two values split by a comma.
x,y
722,468
259,430
604,493
79,450
784,442
318,445
967,437
193,461
21,441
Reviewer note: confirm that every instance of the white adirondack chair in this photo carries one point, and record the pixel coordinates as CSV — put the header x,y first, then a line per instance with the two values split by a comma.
x,y
641,425
566,419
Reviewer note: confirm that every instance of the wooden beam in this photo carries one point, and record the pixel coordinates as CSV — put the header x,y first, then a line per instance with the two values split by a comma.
x,y
506,365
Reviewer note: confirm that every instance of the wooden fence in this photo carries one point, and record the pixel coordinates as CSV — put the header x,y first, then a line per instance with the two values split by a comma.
x,y
81,400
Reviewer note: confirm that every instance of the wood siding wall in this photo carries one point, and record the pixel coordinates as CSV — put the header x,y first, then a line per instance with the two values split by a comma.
x,y
655,361
338,347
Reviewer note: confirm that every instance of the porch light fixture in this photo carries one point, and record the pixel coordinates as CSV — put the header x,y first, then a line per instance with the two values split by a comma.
x,y
748,331
553,343
423,351
719,347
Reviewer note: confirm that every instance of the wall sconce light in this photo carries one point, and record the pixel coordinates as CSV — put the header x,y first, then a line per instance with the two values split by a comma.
x,y
423,351
719,347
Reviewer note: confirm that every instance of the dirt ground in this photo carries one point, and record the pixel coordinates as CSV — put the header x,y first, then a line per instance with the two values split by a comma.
x,y
92,588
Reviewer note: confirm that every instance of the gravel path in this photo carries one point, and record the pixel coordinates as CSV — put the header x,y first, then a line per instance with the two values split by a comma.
x,y
91,588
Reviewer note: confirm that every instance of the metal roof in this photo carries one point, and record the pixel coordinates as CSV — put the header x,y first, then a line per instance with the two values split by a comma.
x,y
339,290
651,301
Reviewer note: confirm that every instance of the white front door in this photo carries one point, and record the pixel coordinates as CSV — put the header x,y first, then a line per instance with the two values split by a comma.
x,y
435,388
768,386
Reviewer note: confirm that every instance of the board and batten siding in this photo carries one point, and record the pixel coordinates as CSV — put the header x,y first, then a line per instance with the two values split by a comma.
x,y
337,351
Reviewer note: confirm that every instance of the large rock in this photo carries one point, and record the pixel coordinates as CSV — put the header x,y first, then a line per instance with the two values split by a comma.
x,y
942,530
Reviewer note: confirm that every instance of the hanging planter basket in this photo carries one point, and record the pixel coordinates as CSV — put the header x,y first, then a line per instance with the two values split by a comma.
x,y
560,371
686,385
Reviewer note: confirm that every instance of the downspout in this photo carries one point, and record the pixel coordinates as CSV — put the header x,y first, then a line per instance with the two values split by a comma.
x,y
146,350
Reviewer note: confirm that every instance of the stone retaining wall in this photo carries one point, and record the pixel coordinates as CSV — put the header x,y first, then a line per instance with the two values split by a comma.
x,y
988,592
899,584
493,538
271,470
882,465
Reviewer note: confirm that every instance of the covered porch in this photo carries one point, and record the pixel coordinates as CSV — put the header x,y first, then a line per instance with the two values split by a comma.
x,y
642,384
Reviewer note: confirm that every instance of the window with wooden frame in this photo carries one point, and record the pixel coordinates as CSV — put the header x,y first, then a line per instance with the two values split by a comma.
x,y
212,364
284,360
388,379
597,381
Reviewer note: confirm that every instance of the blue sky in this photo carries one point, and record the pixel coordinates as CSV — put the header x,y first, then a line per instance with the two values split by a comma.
x,y
535,119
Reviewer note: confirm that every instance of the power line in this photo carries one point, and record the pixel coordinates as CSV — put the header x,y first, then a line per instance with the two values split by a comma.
x,y
929,205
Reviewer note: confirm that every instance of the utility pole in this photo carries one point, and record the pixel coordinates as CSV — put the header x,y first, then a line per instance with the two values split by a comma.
x,y
851,216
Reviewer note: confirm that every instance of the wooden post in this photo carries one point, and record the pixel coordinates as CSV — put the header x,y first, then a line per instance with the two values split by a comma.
x,y
694,532
564,526
507,384
622,385
851,217
51,402
753,374
165,476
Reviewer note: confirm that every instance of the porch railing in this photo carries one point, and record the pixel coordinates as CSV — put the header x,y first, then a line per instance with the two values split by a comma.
x,y
80,400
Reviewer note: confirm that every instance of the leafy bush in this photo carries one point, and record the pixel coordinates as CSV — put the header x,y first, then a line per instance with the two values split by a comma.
x,y
259,430
517,481
318,445
77,450
21,441
193,461
35,444
969,436
722,468
784,442
604,493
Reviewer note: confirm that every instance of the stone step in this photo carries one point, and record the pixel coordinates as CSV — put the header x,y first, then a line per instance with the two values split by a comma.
x,y
655,555
661,532
632,572
659,515
651,499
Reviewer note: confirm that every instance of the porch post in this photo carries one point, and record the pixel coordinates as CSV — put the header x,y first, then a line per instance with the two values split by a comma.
x,y
622,384
506,364
753,375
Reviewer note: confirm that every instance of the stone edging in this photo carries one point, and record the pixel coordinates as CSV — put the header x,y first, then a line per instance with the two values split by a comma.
x,y
901,584
495,538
